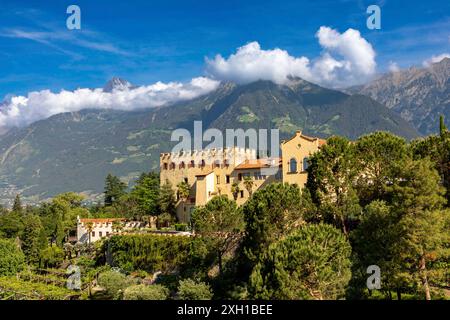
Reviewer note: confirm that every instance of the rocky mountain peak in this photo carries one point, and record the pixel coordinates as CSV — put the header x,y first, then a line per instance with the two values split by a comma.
x,y
419,95
117,83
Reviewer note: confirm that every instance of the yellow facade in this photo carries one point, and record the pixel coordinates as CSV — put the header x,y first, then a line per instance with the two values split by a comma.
x,y
296,152
213,172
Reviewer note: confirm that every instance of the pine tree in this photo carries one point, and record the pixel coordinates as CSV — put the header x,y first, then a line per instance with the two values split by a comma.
x,y
33,239
221,221
331,179
418,198
17,206
146,194
269,215
376,242
311,263
442,127
380,155
114,189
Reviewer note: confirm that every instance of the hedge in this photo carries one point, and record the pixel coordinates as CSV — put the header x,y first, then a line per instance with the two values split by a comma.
x,y
148,252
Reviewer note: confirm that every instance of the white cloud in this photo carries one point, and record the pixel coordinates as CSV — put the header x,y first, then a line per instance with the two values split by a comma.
x,y
393,67
347,59
251,63
52,38
20,111
435,59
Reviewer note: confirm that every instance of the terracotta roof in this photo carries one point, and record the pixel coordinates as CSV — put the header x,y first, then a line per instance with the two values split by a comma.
x,y
101,220
204,174
257,164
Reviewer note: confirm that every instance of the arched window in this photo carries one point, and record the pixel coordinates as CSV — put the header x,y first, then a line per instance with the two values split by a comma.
x,y
305,163
172,165
192,164
182,165
202,163
293,165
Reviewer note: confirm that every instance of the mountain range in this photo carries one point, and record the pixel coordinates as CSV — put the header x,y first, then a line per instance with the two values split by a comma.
x,y
419,95
75,151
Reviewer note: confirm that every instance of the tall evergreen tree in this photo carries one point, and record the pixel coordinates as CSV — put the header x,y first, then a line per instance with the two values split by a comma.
x,y
17,206
379,154
442,127
436,148
146,194
11,224
331,179
376,242
271,213
114,189
418,197
33,239
311,263
221,221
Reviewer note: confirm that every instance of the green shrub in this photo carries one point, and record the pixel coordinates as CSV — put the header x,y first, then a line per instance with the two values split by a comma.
x,y
114,283
146,292
52,257
20,289
181,227
190,290
139,274
85,262
12,259
148,252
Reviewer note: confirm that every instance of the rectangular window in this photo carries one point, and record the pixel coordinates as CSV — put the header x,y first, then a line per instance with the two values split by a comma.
x,y
228,178
240,176
93,233
107,233
242,193
186,180
100,234
218,179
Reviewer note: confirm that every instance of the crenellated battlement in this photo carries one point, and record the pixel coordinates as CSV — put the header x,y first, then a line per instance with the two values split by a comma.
x,y
233,155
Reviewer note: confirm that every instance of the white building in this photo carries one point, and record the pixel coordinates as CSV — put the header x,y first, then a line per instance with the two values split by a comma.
x,y
100,228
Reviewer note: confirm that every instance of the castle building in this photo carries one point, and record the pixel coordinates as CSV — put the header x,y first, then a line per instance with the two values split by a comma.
x,y
215,172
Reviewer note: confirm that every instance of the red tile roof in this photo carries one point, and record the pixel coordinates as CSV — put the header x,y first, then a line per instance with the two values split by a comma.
x,y
101,220
257,164
204,174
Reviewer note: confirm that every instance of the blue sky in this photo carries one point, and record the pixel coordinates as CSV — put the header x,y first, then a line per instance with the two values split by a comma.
x,y
149,41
